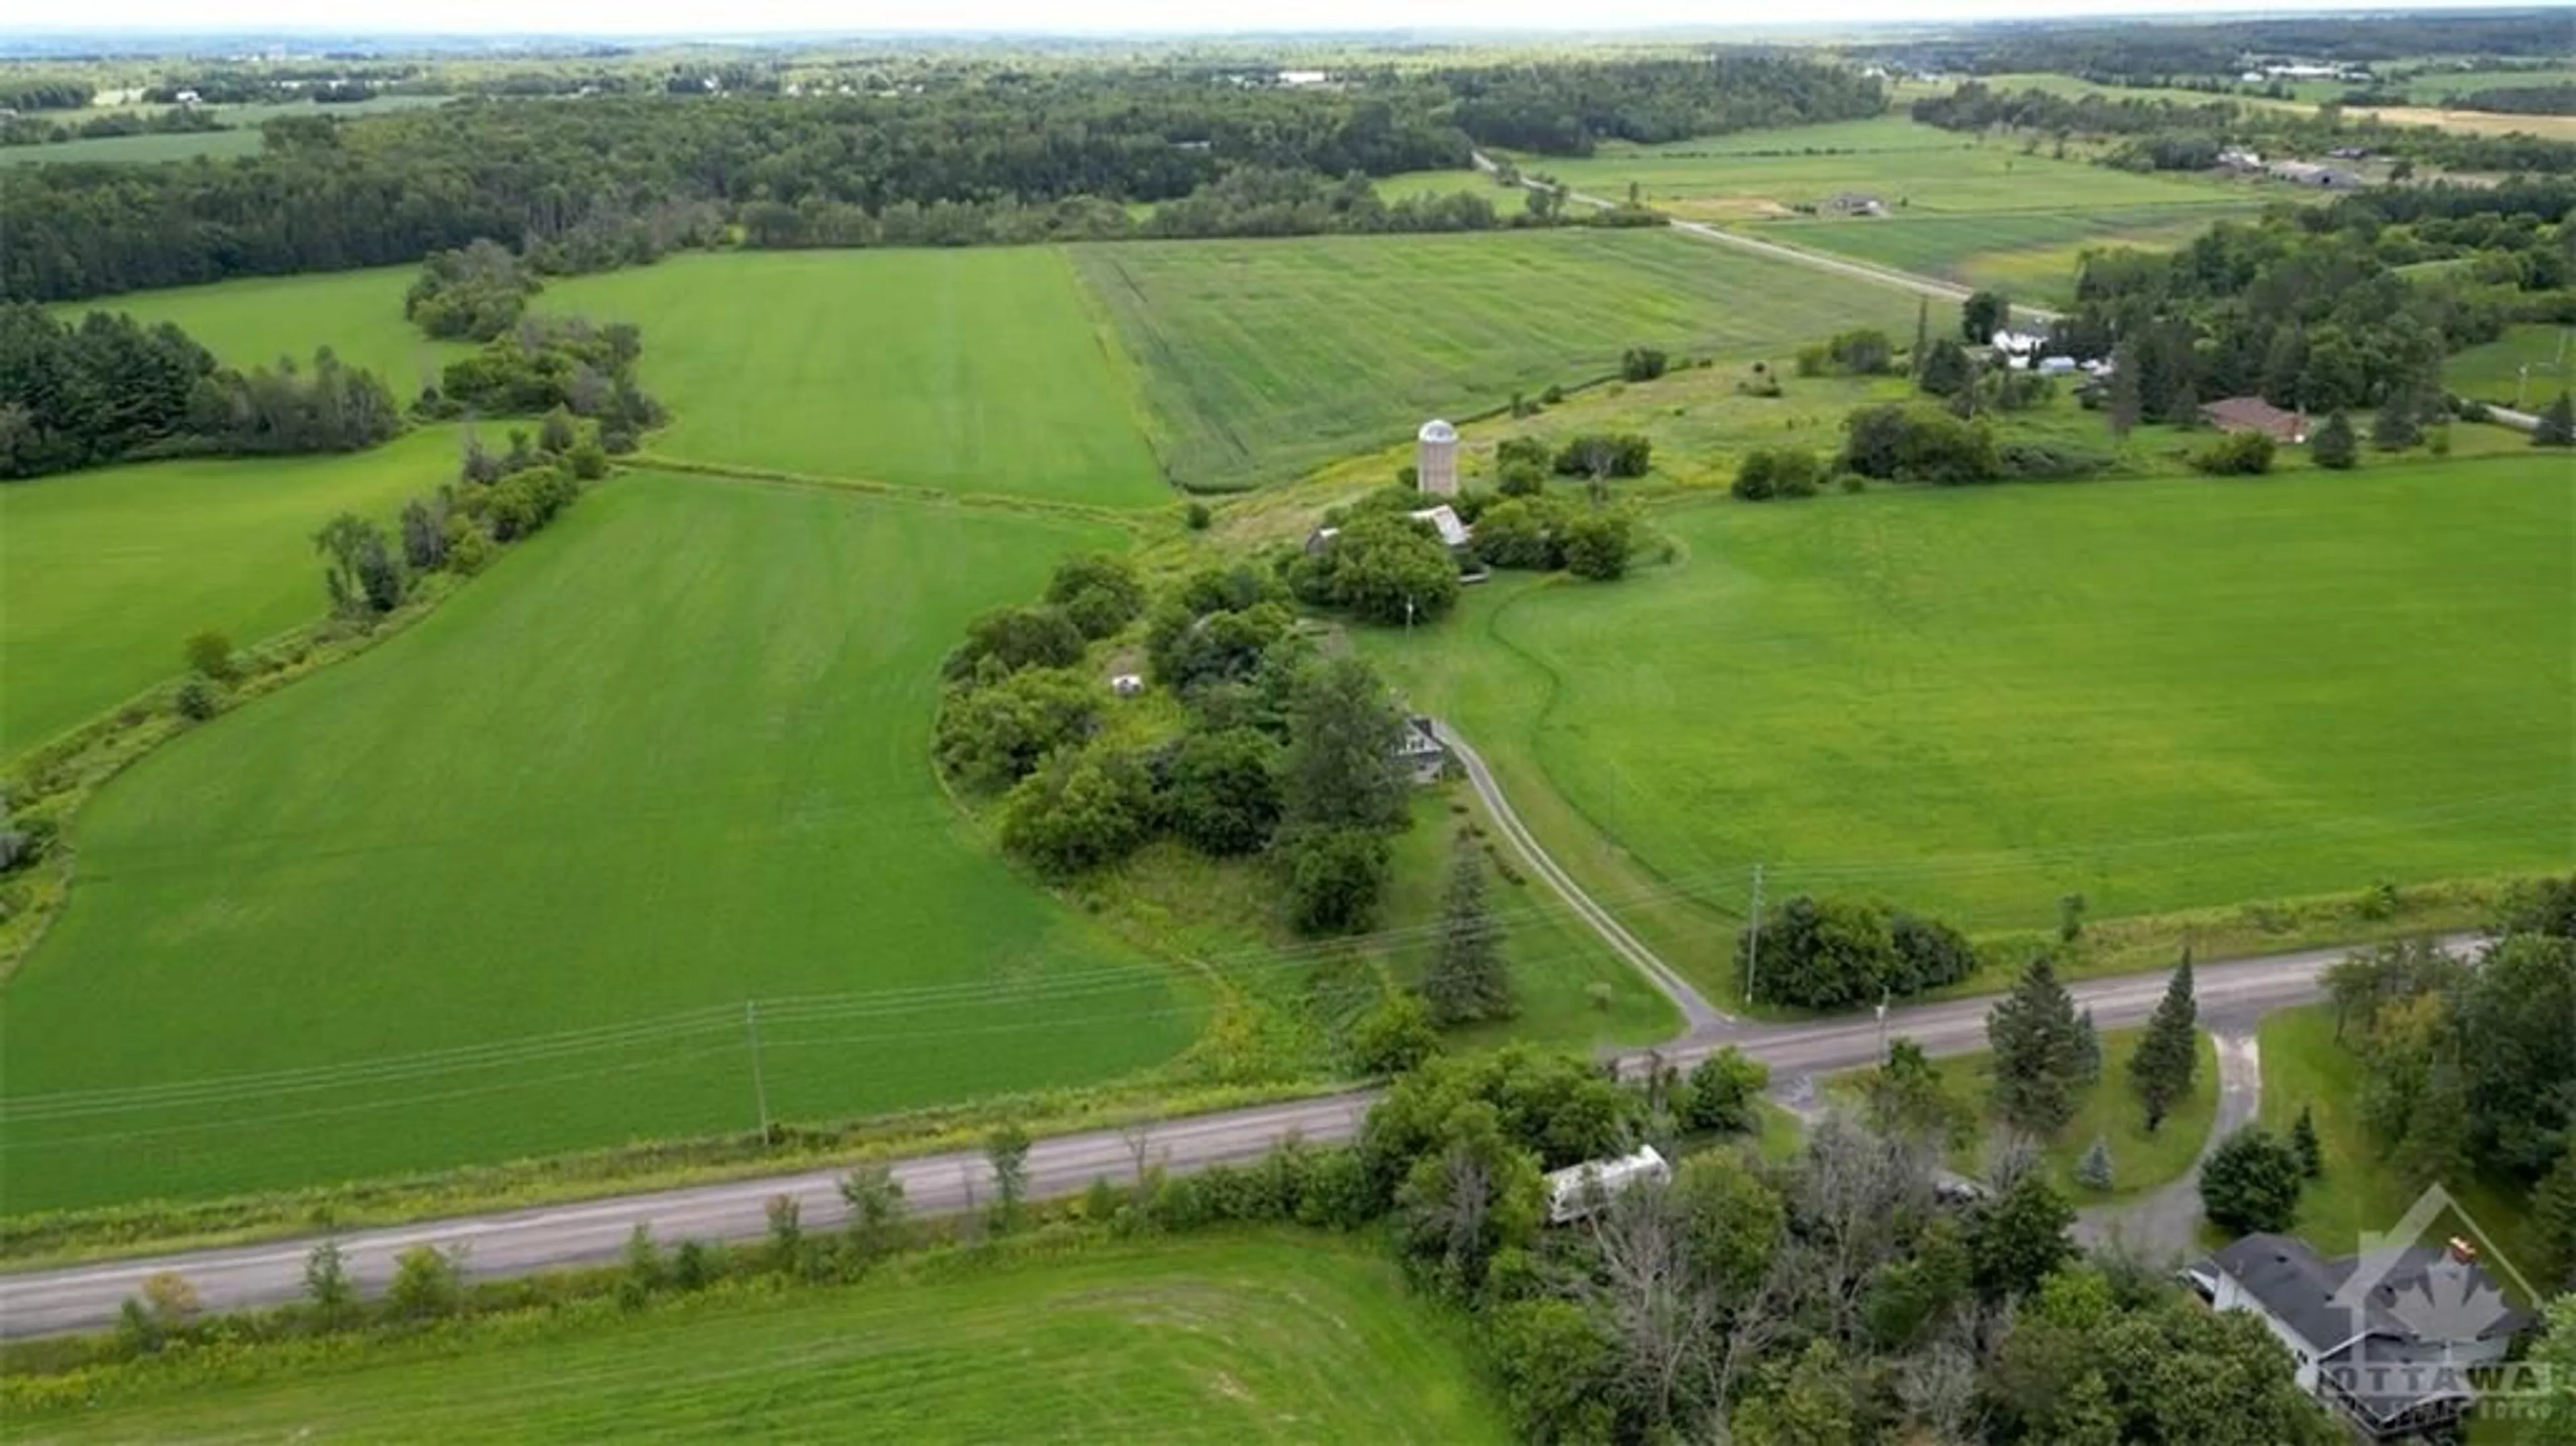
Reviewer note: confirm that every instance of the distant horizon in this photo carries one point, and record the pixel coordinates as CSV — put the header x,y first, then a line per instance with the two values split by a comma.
x,y
756,21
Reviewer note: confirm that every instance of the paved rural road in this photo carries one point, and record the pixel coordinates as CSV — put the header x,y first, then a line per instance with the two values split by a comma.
x,y
2165,1226
516,1242
1704,1019
1859,270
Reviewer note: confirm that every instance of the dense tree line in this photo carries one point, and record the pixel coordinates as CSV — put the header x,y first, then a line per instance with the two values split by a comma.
x,y
1837,953
27,92
2519,100
2163,54
2160,133
109,388
28,130
998,156
2308,310
1563,109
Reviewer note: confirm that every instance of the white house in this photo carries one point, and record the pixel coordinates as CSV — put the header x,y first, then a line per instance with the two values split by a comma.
x,y
2018,343
1578,1190
2386,1338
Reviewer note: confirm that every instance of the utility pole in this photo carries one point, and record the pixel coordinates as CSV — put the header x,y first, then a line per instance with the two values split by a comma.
x,y
1753,940
759,1087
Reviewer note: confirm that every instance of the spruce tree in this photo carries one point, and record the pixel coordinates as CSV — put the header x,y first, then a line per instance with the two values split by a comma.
x,y
1467,980
2553,1220
1922,333
2394,428
2038,1058
2093,1172
2303,1142
2088,1049
2334,445
2162,1069
2126,403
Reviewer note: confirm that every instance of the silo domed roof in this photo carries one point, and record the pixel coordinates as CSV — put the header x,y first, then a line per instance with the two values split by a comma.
x,y
1437,430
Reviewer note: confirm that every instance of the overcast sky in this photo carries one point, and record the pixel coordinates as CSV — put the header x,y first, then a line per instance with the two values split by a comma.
x,y
748,17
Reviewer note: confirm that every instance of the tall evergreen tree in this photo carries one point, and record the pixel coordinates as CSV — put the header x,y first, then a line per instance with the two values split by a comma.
x,y
2553,1219
2125,405
2304,1143
2162,1069
2395,426
2334,445
2088,1048
2093,1172
1468,979
2038,1055
1922,333
1341,768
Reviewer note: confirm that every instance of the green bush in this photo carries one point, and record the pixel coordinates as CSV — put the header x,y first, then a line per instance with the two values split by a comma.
x,y
1641,364
1197,517
2048,462
198,699
1605,454
1769,472
1335,878
211,653
1914,443
1395,1035
1599,544
1078,811
2238,454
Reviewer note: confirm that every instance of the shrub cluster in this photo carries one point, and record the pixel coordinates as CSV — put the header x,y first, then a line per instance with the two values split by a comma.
x,y
472,293
2238,454
1605,454
1917,443
544,363
1768,472
1539,533
1837,953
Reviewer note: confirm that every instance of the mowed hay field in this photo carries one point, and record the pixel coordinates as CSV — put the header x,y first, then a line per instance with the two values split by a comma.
x,y
976,370
1969,702
2029,255
1262,359
2529,364
505,885
255,321
105,574
1273,1337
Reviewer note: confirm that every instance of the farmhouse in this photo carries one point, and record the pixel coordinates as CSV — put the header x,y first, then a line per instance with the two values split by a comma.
x,y
2386,1339
1854,203
2017,343
2253,414
2309,173
1579,1190
1421,750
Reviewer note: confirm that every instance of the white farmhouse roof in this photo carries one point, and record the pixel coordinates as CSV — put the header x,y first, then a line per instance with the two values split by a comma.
x,y
1453,533
1437,430
1571,1191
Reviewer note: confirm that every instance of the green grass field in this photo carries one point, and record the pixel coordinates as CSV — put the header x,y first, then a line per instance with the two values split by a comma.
x,y
1275,1337
2529,365
504,885
104,574
2026,254
2304,1065
1913,169
1263,359
254,322
133,150
969,370
2162,694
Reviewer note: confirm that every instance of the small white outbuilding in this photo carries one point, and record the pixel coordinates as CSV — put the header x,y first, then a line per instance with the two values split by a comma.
x,y
1578,1190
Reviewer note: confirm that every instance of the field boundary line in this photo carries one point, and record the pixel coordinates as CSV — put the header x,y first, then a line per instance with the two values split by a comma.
x,y
895,491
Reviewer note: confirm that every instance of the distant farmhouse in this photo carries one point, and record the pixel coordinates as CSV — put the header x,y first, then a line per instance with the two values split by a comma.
x,y
2253,414
2308,173
1853,203
2387,1339
1421,751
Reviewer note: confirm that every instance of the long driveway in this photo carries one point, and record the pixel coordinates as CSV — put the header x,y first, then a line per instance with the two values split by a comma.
x,y
521,1241
1703,1019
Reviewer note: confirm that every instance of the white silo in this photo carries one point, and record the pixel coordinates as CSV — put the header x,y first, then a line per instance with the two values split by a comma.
x,y
1435,461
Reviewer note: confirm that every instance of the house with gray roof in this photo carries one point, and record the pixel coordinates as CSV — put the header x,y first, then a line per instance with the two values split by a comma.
x,y
2388,1338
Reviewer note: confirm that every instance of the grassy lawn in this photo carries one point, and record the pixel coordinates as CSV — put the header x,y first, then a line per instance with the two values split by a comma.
x,y
1913,169
103,574
2303,1065
504,885
2162,694
2141,1162
1268,1337
971,370
253,322
1262,359
2495,372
